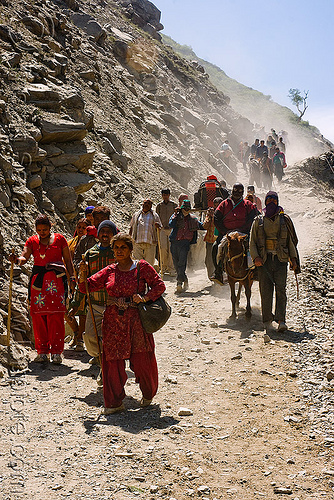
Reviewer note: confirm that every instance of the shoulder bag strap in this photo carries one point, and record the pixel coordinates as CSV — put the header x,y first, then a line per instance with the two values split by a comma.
x,y
235,206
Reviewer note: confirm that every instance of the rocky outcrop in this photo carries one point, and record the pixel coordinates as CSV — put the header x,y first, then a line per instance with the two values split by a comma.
x,y
61,131
144,14
90,26
179,170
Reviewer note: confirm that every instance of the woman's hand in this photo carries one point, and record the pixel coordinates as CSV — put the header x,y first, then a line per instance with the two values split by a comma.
x,y
258,262
138,298
71,313
13,258
293,264
73,283
17,260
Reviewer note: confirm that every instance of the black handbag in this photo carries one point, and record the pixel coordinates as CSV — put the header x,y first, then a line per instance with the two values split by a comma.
x,y
153,313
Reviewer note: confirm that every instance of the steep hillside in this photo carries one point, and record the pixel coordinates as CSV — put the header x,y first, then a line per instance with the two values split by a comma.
x,y
94,109
305,139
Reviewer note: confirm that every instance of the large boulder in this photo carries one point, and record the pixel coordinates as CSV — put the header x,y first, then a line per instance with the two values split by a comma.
x,y
43,96
170,119
194,119
61,131
15,357
88,24
6,169
25,146
122,50
154,127
179,170
64,198
143,12
52,97
78,181
77,154
23,194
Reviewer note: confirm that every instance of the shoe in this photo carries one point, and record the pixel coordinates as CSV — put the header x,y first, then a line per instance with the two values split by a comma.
x,y
185,285
111,411
80,347
282,327
41,358
145,402
178,288
94,361
56,359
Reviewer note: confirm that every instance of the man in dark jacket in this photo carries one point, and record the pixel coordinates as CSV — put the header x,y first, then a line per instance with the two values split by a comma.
x,y
233,214
262,148
184,233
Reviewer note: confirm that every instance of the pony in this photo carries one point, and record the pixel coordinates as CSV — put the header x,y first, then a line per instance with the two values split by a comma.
x,y
237,270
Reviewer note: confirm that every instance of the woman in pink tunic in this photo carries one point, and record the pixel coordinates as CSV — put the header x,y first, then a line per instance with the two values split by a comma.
x,y
47,288
123,334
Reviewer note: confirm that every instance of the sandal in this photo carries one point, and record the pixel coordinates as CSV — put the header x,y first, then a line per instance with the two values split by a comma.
x,y
111,411
41,358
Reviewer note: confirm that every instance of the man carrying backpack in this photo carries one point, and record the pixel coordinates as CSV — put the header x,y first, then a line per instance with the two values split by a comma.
x,y
208,191
273,243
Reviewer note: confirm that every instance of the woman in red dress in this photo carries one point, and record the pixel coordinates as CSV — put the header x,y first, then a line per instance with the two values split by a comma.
x,y
123,334
47,288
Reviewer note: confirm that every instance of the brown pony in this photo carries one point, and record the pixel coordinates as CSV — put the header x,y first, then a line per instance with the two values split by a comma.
x,y
237,270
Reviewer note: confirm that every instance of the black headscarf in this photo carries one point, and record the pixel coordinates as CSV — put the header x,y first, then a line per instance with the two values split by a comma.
x,y
271,209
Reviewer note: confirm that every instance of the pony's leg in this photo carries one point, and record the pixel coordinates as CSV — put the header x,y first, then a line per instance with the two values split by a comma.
x,y
238,294
248,292
233,297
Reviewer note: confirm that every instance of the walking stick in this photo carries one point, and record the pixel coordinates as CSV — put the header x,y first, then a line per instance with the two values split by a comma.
x,y
297,284
92,314
10,300
160,254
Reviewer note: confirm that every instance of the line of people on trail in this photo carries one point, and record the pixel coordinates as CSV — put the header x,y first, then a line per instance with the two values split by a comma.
x,y
114,272
264,159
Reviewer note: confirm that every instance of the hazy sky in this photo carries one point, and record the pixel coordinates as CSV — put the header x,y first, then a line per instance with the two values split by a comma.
x,y
269,46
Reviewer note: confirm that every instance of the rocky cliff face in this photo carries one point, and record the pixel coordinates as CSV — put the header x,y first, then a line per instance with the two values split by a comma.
x,y
95,110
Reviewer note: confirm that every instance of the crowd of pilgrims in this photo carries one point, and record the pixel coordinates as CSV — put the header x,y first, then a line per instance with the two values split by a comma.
x,y
103,263
261,160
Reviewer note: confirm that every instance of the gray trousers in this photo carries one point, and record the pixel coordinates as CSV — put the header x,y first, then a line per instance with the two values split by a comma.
x,y
272,276
208,259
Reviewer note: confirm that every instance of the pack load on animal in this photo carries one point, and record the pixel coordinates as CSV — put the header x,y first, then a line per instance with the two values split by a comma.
x,y
207,192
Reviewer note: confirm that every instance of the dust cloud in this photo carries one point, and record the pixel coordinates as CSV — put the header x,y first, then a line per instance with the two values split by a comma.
x,y
303,140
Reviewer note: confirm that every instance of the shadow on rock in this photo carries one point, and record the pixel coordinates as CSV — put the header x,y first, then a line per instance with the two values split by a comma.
x,y
292,336
94,399
83,356
134,420
91,372
243,324
48,371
